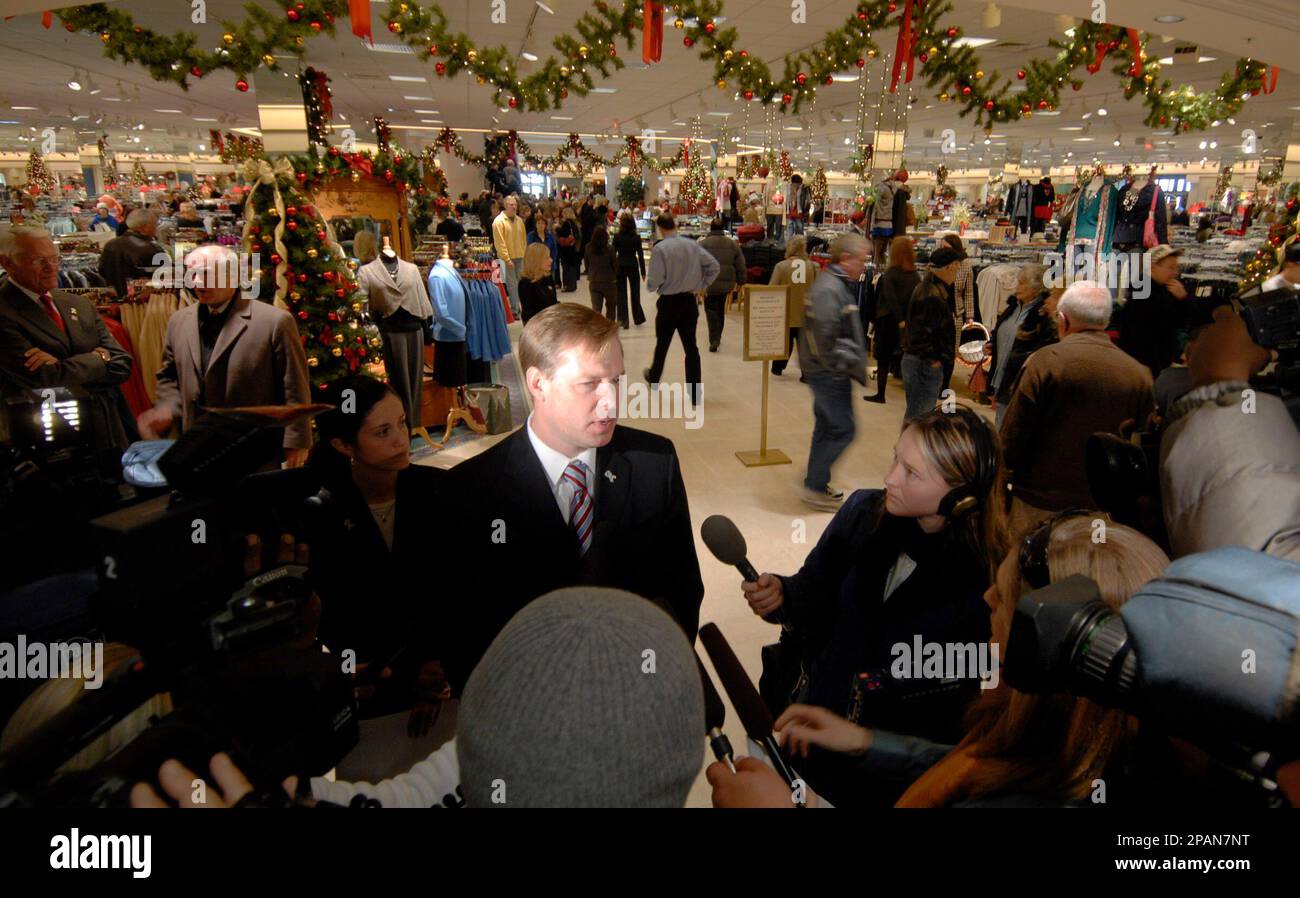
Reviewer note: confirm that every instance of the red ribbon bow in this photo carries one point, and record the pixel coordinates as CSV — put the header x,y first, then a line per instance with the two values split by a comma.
x,y
906,46
359,13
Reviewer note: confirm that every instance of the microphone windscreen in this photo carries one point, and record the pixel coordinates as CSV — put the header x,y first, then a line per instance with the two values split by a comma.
x,y
715,712
724,539
753,713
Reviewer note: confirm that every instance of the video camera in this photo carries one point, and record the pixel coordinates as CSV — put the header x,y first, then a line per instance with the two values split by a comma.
x,y
238,658
1272,319
1208,652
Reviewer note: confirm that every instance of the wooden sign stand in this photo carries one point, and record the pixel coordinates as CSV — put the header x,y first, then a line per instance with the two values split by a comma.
x,y
766,339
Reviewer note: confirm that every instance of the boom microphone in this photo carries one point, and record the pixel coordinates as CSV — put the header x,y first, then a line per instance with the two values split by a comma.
x,y
727,544
749,705
715,714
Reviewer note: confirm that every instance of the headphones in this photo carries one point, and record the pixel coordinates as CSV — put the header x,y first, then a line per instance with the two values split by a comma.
x,y
962,500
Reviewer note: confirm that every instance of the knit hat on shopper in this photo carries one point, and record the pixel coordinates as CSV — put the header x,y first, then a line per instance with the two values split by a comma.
x,y
589,697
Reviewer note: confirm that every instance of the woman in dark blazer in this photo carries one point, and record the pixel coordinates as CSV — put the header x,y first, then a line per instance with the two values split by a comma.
x,y
631,269
893,293
540,232
1025,325
370,539
568,240
536,289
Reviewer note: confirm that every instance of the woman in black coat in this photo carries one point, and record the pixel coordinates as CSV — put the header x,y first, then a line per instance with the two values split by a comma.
x,y
893,293
536,289
370,539
631,268
569,240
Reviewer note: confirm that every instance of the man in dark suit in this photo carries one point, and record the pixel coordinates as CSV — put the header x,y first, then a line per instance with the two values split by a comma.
x,y
228,351
570,498
49,338
135,254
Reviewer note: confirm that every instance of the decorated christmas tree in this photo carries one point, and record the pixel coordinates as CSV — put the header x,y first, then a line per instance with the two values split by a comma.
x,y
304,270
1281,235
697,184
138,178
821,191
39,179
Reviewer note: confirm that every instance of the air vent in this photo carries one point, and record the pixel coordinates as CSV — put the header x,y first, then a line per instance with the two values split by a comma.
x,y
389,48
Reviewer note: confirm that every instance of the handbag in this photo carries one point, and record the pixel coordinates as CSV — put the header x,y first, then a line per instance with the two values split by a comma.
x,y
909,214
979,380
1149,238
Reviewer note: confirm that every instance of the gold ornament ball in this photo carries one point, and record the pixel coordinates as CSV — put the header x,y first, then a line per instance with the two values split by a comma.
x,y
679,24
1148,78
480,79
266,238
727,55
338,338
311,253
105,37
356,176
352,264
943,98
472,55
295,296
297,41
583,51
564,71
227,38
356,307
871,54
312,362
979,75
403,8
722,84
336,352
397,27
268,60
320,169
934,51
376,342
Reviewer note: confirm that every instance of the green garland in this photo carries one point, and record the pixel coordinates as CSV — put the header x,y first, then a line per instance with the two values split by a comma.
x,y
954,70
574,153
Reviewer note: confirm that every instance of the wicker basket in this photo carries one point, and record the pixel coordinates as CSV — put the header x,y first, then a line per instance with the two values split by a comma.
x,y
970,352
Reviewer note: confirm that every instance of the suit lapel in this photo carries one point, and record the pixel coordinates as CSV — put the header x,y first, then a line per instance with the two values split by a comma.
x,y
536,499
190,335
26,308
236,324
614,484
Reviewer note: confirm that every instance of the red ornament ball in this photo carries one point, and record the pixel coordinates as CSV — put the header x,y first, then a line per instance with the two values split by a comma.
x,y
241,85
440,68
514,103
744,54
925,57
710,27
862,17
291,211
830,80
293,15
320,235
255,229
952,32
862,63
749,95
303,315
802,78
291,225
687,42
388,175
302,177
1021,74
988,104
786,98
332,316
196,71
302,278
1042,104
334,151
1291,204
329,17
1078,85
965,91
68,26
564,94
329,275
393,26
397,160
893,7
340,293
276,258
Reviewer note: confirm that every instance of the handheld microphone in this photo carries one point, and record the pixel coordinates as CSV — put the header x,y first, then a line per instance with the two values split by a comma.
x,y
727,544
715,714
754,715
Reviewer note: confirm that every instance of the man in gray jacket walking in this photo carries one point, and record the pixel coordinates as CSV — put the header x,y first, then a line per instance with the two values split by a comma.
x,y
833,353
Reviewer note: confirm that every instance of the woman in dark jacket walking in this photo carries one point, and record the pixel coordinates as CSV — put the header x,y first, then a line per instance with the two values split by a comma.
x,y
567,240
893,293
536,289
631,269
731,274
1024,326
927,338
602,276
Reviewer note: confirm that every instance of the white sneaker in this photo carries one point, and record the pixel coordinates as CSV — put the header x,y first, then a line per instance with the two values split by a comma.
x,y
827,500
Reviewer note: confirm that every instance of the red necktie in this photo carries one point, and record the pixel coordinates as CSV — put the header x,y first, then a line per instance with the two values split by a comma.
x,y
48,302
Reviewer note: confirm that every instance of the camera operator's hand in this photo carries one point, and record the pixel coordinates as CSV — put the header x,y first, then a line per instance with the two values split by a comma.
x,y
764,595
753,785
1224,351
802,726
184,788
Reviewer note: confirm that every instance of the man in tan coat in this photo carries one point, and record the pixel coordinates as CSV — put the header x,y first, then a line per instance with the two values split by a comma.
x,y
228,351
1065,393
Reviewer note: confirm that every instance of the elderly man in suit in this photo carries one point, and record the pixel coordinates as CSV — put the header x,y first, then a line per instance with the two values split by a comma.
x,y
49,338
228,351
570,498
137,253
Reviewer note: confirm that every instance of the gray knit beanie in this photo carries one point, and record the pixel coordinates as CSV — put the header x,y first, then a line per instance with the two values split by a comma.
x,y
588,697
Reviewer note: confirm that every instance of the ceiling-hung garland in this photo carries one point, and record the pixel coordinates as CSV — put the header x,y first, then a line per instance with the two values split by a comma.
x,y
924,49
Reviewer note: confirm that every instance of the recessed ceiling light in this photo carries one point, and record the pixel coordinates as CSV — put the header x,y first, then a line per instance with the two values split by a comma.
x,y
176,111
418,79
603,90
1102,111
1207,59
562,118
111,99
1071,128
793,128
531,57
22,107
1084,139
844,78
205,120
974,41
1169,20
431,121
426,111
430,99
720,113
545,8
1166,60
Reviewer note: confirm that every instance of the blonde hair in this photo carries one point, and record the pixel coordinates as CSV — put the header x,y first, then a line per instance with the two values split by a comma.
x,y
561,327
365,247
567,213
56,695
1057,745
537,262
797,248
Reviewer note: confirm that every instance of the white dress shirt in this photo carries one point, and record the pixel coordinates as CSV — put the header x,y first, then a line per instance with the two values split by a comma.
x,y
555,463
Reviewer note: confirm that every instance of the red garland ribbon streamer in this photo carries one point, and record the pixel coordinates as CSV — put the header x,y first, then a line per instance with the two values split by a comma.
x,y
514,135
1269,86
1135,44
652,42
686,152
359,13
1095,66
903,48
47,19
323,97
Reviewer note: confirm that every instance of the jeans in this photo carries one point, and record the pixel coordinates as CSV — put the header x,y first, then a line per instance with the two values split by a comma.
x,y
774,226
921,383
513,267
834,426
677,314
793,226
715,306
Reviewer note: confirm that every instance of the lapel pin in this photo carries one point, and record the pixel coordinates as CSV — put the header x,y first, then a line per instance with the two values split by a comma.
x,y
609,475
73,312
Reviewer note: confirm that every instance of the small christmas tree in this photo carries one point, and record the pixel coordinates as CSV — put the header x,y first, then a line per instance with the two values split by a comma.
x,y
786,168
697,184
303,269
1282,234
138,178
821,191
39,179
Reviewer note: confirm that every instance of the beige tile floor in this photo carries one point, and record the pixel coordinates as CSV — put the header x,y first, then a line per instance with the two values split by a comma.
x,y
763,501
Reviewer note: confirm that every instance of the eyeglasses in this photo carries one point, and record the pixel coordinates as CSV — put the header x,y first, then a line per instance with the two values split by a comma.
x,y
1033,551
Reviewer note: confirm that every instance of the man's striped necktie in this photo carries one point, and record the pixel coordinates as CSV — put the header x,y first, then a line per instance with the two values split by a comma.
x,y
581,511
